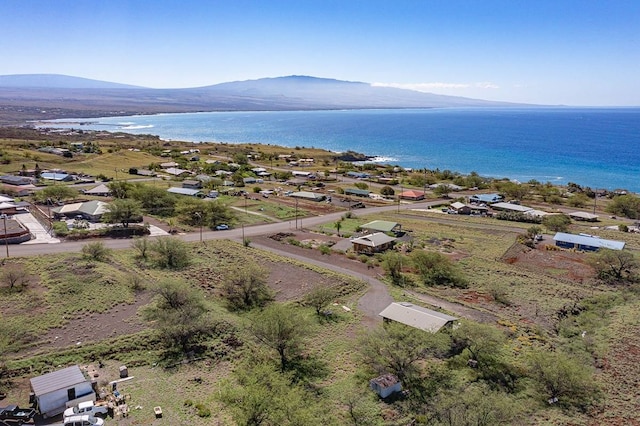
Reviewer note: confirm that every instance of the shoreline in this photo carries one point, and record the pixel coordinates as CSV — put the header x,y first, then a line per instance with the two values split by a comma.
x,y
553,163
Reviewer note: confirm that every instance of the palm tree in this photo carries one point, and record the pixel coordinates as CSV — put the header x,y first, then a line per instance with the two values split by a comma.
x,y
338,225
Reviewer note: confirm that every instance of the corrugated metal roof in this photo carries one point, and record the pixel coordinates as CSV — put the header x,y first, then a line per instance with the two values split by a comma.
x,y
61,379
583,215
380,225
184,191
591,241
416,316
510,206
308,195
373,240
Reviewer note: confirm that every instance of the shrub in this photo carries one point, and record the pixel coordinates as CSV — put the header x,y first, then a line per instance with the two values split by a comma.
x,y
170,252
325,249
95,251
60,229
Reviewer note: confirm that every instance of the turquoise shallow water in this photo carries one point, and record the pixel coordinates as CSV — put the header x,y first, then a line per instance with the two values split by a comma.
x,y
588,146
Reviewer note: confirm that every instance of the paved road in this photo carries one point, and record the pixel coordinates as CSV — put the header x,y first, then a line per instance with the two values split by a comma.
x,y
370,304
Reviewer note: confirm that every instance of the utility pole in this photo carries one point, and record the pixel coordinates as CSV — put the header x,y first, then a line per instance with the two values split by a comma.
x,y
296,212
6,239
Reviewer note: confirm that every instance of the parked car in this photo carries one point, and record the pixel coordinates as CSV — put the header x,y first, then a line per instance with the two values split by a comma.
x,y
83,420
16,414
222,227
88,408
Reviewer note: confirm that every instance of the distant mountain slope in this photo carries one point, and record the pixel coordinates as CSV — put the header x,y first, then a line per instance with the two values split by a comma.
x,y
46,96
58,81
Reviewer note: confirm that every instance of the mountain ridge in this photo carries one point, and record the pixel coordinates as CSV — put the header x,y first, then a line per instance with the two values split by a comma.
x,y
45,96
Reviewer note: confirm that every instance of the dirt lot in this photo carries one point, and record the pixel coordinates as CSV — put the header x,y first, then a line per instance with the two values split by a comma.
x,y
571,265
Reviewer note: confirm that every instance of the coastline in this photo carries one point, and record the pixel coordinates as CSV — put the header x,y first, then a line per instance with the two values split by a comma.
x,y
520,150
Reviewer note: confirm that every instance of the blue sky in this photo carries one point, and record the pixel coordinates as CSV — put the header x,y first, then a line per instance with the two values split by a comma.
x,y
573,52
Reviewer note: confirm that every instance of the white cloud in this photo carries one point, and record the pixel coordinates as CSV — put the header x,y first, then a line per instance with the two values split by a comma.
x,y
428,87
487,85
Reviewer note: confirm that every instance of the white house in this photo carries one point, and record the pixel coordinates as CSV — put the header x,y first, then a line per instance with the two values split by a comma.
x,y
52,391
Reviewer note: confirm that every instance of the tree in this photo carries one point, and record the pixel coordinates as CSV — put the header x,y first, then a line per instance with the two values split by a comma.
x,y
387,191
615,265
443,190
392,264
625,205
123,211
56,193
142,245
261,395
282,329
170,252
247,288
319,297
578,200
475,405
13,275
563,379
436,269
120,189
398,349
178,314
338,225
556,222
484,347
154,200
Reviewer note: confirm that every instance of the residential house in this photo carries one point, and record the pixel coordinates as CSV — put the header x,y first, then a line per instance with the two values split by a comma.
x,y
308,195
372,243
100,190
192,184
485,198
56,176
583,216
357,192
460,208
89,210
586,242
412,195
186,191
382,226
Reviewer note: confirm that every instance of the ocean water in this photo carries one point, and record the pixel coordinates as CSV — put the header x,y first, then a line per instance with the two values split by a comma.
x,y
596,147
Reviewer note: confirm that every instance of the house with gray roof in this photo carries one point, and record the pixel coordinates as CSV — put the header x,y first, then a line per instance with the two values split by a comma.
x,y
382,226
186,191
52,391
417,316
89,210
586,242
372,243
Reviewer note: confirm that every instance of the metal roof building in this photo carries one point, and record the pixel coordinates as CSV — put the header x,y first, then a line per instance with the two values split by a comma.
x,y
53,390
586,242
185,191
382,226
416,316
308,195
511,207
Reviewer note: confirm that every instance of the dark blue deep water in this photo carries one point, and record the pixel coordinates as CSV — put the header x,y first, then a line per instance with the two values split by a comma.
x,y
597,147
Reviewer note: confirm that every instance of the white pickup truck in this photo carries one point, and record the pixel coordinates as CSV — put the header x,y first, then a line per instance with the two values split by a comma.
x,y
87,407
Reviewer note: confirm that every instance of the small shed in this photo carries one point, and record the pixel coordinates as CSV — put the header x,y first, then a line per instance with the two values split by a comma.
x,y
52,391
417,316
586,242
385,385
372,243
